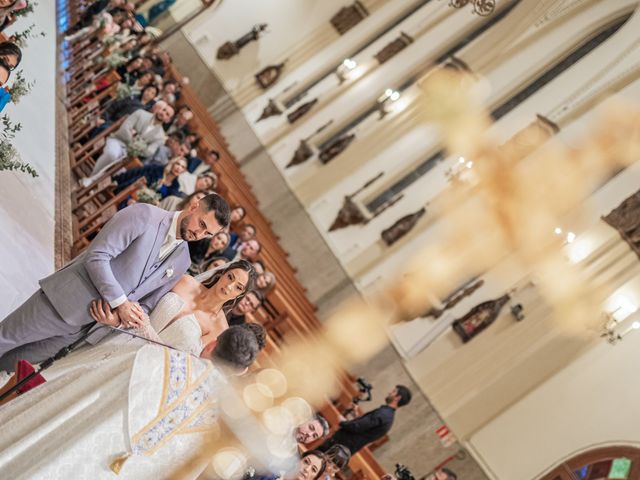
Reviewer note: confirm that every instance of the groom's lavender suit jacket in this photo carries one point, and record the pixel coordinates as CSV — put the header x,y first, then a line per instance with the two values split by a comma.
x,y
123,259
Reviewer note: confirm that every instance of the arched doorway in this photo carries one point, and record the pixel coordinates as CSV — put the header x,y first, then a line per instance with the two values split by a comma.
x,y
609,463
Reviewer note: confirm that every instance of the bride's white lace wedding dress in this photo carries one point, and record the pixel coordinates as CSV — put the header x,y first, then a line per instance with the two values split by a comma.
x,y
122,398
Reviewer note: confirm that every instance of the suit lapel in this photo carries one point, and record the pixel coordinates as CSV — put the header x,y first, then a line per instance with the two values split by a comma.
x,y
161,234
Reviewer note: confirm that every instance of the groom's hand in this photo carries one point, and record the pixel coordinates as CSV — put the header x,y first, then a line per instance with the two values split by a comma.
x,y
101,312
131,314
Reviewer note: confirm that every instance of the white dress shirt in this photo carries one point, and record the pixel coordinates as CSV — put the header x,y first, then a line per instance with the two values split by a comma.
x,y
171,241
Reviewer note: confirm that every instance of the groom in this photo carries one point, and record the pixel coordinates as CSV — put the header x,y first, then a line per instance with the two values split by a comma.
x,y
137,257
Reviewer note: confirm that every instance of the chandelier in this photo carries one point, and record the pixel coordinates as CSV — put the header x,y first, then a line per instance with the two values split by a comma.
x,y
483,8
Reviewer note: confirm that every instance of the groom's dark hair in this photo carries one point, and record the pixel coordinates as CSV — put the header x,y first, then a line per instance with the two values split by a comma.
x,y
213,201
237,347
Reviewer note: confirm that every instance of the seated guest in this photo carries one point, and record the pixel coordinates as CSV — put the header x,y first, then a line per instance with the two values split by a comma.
x,y
92,11
163,180
141,129
311,466
144,79
198,166
203,251
311,430
181,121
442,474
251,302
357,433
10,55
130,69
10,58
215,262
237,214
247,232
338,458
191,183
125,106
193,139
174,203
174,146
265,282
259,331
248,250
259,267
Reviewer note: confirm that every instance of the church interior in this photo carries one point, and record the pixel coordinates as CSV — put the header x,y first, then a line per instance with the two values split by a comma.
x,y
437,203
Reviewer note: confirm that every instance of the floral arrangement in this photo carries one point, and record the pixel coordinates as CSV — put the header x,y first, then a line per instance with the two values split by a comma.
x,y
20,38
113,60
147,195
137,147
26,10
9,157
125,90
20,87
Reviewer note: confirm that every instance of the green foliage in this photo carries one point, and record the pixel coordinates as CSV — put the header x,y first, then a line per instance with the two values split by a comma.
x,y
25,11
9,157
20,87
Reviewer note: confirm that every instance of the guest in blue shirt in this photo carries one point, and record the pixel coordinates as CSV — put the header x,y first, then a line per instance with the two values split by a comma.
x,y
164,180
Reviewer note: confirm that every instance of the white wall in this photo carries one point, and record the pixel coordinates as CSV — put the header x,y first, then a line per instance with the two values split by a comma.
x,y
594,401
27,204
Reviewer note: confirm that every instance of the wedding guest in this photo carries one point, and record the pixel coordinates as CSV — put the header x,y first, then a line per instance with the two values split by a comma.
x,y
265,282
251,302
175,146
259,266
357,433
191,183
125,106
140,126
442,474
311,430
180,121
7,9
198,166
203,252
163,180
247,232
338,458
237,214
10,58
311,466
215,262
259,331
130,69
249,250
174,203
10,54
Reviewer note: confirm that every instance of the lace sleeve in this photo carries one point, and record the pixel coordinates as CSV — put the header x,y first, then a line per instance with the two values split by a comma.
x,y
149,332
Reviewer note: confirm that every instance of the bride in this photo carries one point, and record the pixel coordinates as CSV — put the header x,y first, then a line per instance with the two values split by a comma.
x,y
128,407
193,313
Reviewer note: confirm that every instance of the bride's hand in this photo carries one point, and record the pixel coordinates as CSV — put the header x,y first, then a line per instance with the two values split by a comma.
x,y
101,312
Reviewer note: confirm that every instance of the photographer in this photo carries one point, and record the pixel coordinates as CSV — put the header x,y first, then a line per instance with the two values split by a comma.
x,y
357,433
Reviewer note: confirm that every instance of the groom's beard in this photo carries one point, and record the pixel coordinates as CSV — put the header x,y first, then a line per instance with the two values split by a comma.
x,y
185,233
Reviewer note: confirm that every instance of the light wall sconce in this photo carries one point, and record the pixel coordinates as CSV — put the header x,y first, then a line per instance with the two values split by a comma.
x,y
623,307
344,70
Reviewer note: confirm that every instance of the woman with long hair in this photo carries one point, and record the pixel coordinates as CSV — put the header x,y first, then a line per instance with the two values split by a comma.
x,y
311,467
193,314
205,250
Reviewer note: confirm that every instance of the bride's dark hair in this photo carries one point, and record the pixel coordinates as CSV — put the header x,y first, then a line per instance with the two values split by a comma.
x,y
238,264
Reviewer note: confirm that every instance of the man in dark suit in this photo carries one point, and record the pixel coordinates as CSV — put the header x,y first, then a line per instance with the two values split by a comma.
x,y
137,257
357,433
